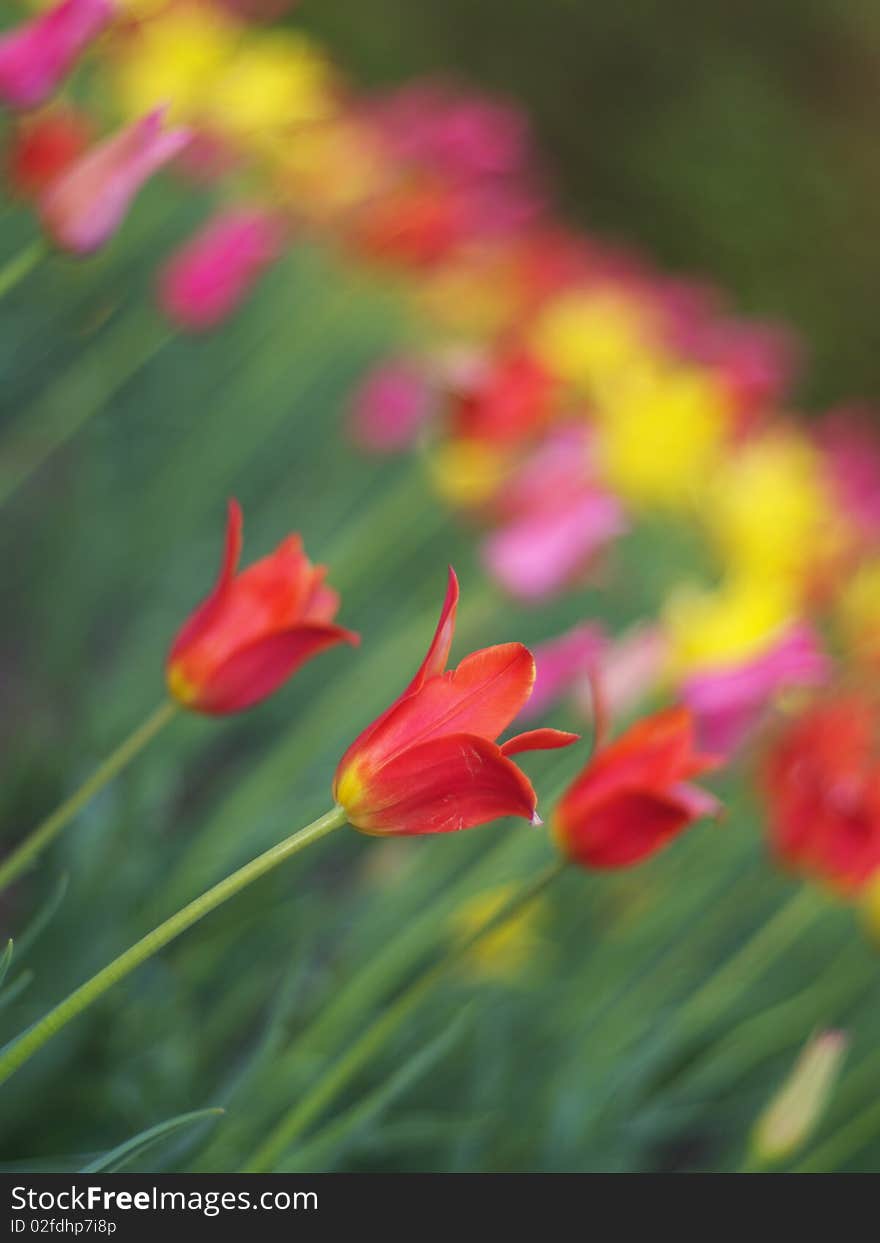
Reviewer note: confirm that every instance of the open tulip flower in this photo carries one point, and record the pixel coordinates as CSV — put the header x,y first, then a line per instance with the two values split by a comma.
x,y
634,795
255,629
430,763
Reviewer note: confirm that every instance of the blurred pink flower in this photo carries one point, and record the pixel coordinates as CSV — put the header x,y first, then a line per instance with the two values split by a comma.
x,y
539,554
206,158
561,662
851,446
208,277
757,362
629,669
729,701
85,206
458,135
554,518
391,406
37,57
476,152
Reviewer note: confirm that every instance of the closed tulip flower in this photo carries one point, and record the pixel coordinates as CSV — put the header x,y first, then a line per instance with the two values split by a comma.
x,y
255,629
431,763
635,796
85,206
208,277
37,57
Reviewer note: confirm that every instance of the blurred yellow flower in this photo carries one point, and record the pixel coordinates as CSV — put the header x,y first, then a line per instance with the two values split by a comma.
x,y
593,339
175,58
725,624
769,509
467,472
507,950
476,298
276,81
661,435
330,167
858,612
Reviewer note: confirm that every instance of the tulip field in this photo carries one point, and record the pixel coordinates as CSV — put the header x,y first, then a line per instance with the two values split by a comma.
x,y
439,658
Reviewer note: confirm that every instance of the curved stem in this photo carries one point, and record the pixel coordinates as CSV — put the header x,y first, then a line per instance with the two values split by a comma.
x,y
26,852
328,1087
29,1042
17,268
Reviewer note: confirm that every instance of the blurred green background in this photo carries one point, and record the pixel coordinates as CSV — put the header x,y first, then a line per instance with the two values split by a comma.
x,y
660,1007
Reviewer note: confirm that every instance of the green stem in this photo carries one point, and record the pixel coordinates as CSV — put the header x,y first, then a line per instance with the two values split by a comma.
x,y
25,854
31,1041
17,268
328,1087
78,395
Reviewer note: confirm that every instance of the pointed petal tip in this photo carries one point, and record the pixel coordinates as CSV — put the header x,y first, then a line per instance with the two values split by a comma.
x,y
536,821
538,740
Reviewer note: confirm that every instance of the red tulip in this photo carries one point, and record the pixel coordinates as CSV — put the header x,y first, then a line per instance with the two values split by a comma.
x,y
255,629
430,762
822,781
633,797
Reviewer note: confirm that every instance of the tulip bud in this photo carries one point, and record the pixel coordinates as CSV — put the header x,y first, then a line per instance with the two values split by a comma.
x,y
207,278
35,58
256,628
86,205
795,1110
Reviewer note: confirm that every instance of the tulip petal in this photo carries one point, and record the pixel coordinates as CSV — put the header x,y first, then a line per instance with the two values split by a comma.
x,y
433,664
204,615
538,740
625,829
482,696
254,672
653,752
450,783
438,653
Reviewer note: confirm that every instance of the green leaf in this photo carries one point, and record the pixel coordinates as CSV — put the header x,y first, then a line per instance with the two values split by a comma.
x,y
327,1144
16,988
5,960
43,916
138,1144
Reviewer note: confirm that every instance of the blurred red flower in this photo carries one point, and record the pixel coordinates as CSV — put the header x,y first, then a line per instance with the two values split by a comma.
x,y
822,783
